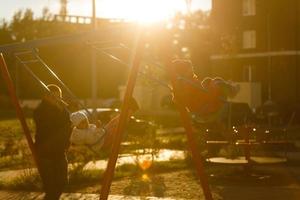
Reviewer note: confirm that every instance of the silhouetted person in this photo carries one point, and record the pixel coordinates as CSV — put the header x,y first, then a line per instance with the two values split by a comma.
x,y
52,139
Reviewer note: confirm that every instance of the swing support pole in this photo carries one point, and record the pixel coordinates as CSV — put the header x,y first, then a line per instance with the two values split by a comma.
x,y
14,99
108,175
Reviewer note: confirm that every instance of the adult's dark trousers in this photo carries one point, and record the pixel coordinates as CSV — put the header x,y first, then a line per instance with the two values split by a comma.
x,y
54,175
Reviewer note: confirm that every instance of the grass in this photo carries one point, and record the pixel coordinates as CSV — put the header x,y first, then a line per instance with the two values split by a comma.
x,y
11,128
30,180
13,146
7,162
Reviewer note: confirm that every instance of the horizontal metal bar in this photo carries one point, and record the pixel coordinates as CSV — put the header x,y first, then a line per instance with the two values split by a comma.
x,y
124,46
109,48
111,56
66,39
29,61
23,53
119,45
127,65
100,42
255,55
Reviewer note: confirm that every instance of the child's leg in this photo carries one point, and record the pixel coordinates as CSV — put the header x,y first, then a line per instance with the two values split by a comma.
x,y
110,129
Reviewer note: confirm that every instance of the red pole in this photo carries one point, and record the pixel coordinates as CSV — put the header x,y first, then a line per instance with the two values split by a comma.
x,y
109,173
11,89
190,134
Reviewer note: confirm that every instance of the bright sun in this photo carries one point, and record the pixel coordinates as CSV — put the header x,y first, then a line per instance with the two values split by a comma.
x,y
135,10
145,10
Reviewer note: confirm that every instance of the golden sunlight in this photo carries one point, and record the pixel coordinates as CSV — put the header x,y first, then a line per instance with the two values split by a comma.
x,y
145,162
144,11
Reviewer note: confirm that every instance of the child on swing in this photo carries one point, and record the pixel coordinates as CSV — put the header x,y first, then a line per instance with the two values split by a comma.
x,y
206,98
96,137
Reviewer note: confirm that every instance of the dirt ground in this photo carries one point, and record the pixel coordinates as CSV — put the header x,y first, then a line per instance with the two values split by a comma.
x,y
262,182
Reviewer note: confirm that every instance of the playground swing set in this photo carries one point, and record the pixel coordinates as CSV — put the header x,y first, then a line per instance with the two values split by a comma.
x,y
137,57
246,142
135,64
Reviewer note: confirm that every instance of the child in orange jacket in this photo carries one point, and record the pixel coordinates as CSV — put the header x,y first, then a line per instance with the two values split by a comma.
x,y
205,98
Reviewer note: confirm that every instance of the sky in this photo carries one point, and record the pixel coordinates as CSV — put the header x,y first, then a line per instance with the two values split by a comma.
x,y
105,8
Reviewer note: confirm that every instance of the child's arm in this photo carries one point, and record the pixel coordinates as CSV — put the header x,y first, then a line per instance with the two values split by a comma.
x,y
228,88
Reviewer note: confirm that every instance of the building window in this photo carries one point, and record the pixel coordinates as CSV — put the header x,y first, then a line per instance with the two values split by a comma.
x,y
249,7
249,39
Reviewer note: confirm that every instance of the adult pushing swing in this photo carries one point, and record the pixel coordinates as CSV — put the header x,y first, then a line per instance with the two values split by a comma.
x,y
53,132
52,140
37,148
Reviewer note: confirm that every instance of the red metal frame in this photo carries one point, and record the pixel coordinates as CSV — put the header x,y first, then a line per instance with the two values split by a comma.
x,y
14,99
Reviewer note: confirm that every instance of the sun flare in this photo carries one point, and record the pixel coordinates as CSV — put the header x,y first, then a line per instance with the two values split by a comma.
x,y
144,11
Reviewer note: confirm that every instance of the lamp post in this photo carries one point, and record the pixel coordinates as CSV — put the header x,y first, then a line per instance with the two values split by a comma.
x,y
269,58
94,60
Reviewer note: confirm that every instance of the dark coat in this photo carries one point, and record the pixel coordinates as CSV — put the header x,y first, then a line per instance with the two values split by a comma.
x,y
53,129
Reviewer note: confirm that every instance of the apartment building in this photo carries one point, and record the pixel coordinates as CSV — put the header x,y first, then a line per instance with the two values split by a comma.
x,y
258,41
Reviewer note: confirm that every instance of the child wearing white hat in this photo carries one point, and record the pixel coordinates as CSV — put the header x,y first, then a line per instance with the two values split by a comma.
x,y
85,133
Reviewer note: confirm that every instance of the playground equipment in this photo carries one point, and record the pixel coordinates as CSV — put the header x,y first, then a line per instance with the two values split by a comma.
x,y
249,136
37,59
136,59
135,64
